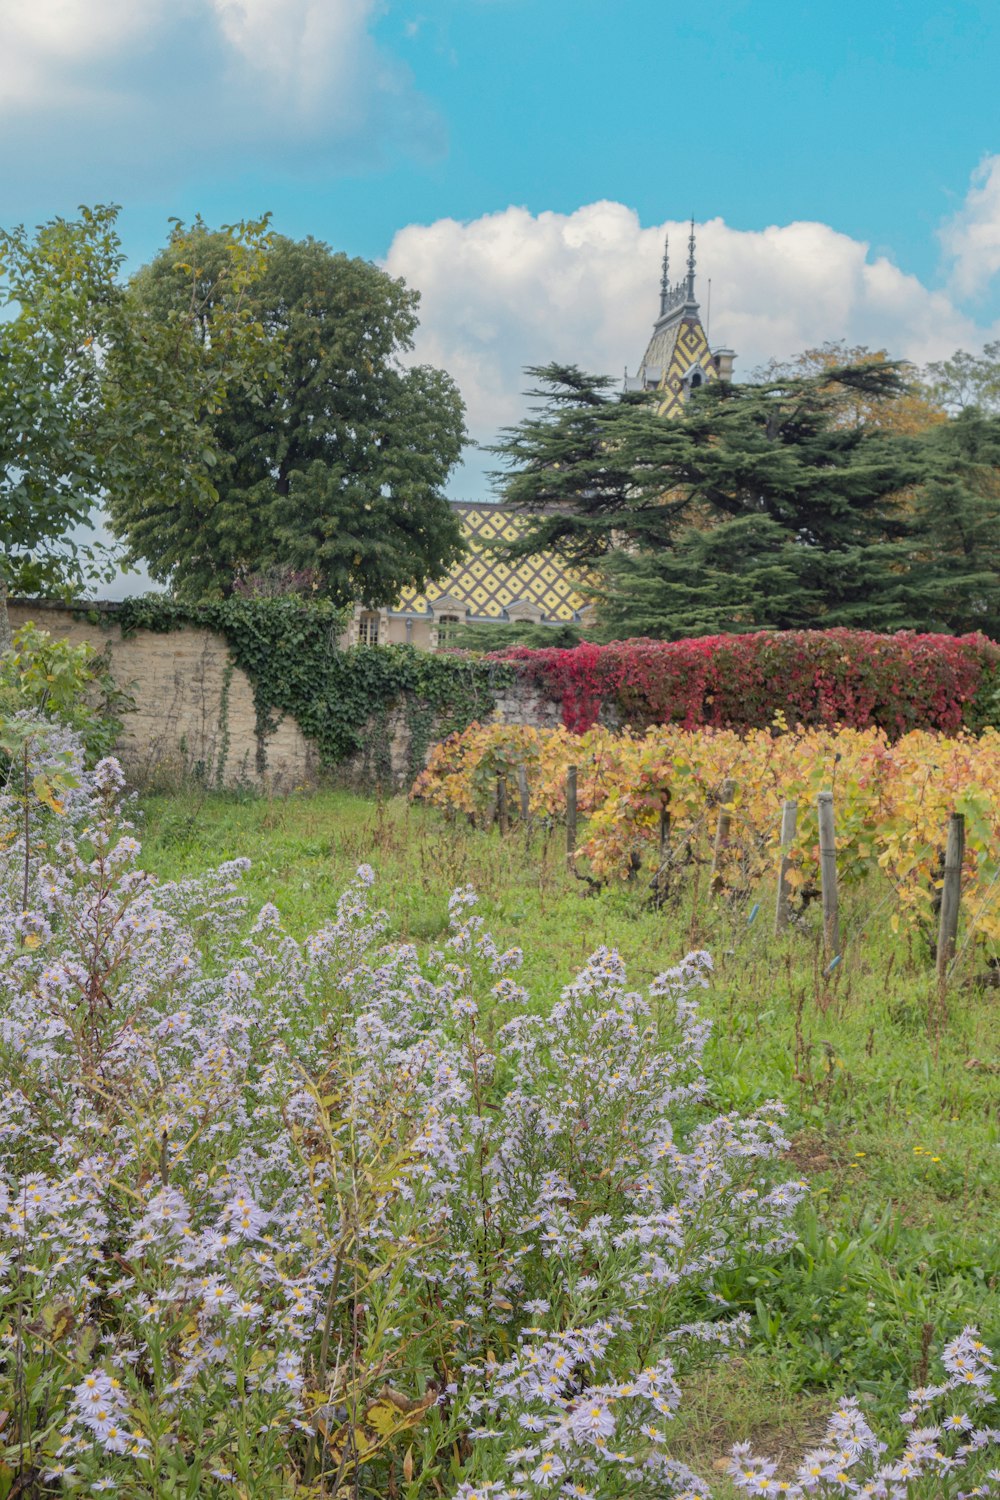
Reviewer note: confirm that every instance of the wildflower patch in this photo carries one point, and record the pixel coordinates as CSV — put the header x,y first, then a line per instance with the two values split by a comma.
x,y
341,1216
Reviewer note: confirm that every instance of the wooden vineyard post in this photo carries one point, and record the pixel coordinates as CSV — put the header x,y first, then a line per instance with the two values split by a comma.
x,y
661,880
951,895
664,833
789,814
722,833
524,794
828,875
570,813
502,803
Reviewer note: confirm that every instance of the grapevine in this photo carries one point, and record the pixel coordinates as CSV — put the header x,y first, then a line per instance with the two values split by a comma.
x,y
651,796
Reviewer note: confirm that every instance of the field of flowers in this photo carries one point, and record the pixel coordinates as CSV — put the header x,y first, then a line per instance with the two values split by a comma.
x,y
651,802
342,1214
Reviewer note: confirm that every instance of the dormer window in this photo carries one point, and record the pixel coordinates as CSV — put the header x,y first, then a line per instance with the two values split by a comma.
x,y
447,625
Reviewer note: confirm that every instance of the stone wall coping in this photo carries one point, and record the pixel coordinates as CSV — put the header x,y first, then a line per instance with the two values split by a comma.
x,y
68,606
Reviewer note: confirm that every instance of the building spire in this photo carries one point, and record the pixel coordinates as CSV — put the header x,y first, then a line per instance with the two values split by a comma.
x,y
665,277
690,277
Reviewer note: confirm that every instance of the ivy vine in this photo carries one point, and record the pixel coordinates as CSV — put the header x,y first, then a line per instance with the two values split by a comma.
x,y
289,650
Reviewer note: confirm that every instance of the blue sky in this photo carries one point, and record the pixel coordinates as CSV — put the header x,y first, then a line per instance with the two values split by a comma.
x,y
519,160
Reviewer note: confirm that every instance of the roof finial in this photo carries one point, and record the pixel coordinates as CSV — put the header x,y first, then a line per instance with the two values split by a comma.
x,y
665,277
691,262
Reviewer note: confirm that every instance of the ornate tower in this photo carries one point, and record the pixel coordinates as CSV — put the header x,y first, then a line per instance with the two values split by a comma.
x,y
677,358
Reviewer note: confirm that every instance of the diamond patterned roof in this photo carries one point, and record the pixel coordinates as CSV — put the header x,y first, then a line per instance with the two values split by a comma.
x,y
488,587
674,351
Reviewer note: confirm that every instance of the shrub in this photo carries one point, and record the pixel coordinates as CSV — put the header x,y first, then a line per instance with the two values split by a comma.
x,y
850,677
71,685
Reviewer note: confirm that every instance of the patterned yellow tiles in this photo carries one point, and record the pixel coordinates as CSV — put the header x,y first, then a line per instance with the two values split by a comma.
x,y
488,587
690,352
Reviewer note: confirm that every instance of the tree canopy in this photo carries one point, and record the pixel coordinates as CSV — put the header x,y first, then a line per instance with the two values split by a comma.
x,y
97,401
54,433
761,505
967,380
334,468
912,408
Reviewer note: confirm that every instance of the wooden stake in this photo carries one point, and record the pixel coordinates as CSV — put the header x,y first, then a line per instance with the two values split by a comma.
x,y
951,895
502,803
664,833
661,880
570,812
789,815
828,875
524,794
722,833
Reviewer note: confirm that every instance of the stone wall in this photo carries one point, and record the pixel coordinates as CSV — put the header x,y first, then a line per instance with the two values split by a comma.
x,y
194,711
388,753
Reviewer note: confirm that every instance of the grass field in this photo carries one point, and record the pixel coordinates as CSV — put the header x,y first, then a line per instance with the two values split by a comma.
x,y
894,1102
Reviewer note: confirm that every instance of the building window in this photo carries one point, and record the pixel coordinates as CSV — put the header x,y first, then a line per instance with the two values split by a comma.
x,y
447,625
368,630
695,380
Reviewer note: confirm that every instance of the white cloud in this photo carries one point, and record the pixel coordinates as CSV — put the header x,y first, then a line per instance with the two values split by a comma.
x,y
305,53
972,238
138,80
513,289
50,47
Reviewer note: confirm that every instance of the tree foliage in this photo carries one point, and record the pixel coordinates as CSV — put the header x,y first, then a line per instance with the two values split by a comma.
x,y
956,524
967,380
99,401
54,437
335,467
801,501
500,635
912,409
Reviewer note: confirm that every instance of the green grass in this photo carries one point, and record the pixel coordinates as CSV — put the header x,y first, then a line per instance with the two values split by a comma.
x,y
893,1097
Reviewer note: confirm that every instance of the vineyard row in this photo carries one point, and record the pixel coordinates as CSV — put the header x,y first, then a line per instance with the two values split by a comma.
x,y
671,800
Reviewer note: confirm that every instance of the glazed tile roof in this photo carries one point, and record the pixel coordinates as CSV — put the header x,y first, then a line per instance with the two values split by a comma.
x,y
487,587
675,350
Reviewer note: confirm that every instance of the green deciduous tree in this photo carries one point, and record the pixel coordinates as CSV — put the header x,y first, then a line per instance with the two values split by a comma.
x,y
335,470
60,284
99,401
966,380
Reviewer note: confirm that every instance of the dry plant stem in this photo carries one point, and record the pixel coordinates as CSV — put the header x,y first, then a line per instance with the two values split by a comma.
x,y
27,831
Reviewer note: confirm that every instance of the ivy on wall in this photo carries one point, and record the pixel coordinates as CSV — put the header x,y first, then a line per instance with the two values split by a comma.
x,y
288,650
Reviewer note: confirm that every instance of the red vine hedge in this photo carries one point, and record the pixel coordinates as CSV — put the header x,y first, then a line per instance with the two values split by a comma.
x,y
850,677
